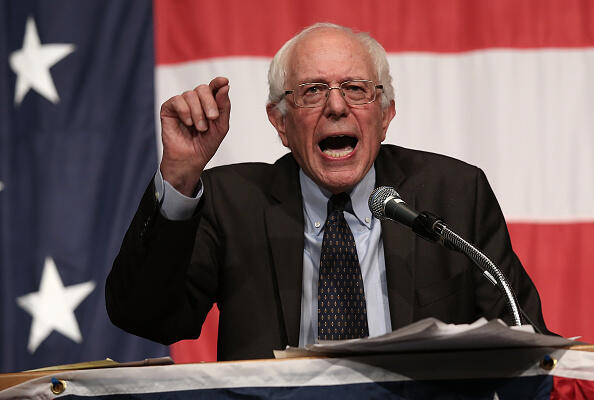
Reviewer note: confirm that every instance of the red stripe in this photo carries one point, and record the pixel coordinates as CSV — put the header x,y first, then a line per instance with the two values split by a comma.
x,y
196,29
202,349
574,389
560,260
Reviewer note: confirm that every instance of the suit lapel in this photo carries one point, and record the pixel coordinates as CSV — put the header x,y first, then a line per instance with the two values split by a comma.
x,y
399,244
284,225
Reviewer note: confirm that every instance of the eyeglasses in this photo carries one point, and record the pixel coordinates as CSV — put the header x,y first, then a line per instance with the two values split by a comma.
x,y
355,92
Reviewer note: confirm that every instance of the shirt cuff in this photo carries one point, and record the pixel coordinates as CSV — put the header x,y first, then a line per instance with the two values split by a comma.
x,y
174,205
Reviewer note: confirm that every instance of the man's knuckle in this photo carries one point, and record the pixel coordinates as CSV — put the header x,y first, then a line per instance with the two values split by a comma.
x,y
188,95
202,88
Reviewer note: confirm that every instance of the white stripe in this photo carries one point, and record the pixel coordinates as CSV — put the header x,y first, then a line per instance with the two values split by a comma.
x,y
525,117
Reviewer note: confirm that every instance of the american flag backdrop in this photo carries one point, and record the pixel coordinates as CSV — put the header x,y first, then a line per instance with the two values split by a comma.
x,y
77,135
502,84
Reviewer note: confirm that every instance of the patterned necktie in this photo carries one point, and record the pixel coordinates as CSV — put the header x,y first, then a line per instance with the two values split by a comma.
x,y
342,313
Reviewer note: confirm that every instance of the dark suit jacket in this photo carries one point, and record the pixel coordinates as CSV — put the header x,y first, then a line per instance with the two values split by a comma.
x,y
243,249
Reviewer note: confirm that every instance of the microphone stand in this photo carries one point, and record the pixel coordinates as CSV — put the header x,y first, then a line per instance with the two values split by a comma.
x,y
430,227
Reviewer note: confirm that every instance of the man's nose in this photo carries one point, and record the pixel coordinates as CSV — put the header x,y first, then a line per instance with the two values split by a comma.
x,y
336,105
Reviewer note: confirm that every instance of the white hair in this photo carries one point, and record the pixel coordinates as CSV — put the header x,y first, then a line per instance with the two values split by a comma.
x,y
277,72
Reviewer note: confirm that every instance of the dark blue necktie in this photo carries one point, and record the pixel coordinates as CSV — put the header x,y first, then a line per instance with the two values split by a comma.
x,y
342,312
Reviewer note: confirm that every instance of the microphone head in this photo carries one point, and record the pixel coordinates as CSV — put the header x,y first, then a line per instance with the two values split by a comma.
x,y
377,198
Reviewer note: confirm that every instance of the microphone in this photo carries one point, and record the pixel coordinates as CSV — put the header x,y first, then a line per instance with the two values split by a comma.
x,y
385,203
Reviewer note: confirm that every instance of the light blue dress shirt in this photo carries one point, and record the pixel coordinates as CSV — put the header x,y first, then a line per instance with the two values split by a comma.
x,y
366,232
370,250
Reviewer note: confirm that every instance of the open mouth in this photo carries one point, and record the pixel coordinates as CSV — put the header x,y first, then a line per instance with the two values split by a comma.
x,y
338,146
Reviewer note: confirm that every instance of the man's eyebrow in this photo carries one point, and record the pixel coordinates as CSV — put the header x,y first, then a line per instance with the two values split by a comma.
x,y
313,80
325,80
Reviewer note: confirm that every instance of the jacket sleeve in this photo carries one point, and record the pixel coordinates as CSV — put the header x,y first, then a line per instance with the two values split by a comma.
x,y
148,292
493,239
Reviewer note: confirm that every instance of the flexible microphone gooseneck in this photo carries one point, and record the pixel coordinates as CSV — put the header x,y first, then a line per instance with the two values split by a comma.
x,y
385,203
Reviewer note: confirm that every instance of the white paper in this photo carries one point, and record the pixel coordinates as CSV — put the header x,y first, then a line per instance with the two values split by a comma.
x,y
431,334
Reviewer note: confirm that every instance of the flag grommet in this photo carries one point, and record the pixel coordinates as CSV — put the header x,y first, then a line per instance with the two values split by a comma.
x,y
548,363
57,386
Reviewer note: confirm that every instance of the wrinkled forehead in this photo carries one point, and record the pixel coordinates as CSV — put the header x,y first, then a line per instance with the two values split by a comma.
x,y
329,55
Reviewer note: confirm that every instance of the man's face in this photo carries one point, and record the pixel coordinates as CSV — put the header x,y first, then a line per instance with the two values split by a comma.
x,y
335,144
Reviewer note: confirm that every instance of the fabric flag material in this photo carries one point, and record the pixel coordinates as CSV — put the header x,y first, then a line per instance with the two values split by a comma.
x,y
503,85
77,148
495,374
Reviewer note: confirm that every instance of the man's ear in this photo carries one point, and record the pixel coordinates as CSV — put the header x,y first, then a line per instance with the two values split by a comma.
x,y
277,119
388,114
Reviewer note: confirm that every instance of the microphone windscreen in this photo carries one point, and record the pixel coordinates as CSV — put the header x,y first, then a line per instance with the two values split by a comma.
x,y
377,198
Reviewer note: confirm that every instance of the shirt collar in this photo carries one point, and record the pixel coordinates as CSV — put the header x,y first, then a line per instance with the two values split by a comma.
x,y
315,201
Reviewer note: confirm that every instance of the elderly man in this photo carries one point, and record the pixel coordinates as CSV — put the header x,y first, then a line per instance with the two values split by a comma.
x,y
290,252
